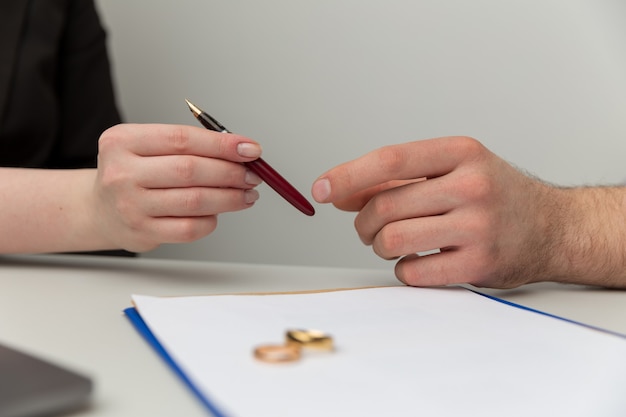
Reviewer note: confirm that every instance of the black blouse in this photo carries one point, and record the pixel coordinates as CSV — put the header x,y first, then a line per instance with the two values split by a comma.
x,y
56,93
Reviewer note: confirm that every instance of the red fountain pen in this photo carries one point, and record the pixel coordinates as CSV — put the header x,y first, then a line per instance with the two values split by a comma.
x,y
268,174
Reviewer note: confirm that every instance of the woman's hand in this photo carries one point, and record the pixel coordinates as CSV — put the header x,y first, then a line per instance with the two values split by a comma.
x,y
167,184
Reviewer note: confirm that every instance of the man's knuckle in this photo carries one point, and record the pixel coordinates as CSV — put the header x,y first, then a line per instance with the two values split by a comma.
x,y
391,158
383,205
469,146
390,242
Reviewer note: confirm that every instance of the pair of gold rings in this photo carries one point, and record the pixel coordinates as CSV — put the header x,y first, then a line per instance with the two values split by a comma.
x,y
295,341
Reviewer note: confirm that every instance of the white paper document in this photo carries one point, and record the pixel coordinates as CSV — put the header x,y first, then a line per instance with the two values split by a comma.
x,y
400,351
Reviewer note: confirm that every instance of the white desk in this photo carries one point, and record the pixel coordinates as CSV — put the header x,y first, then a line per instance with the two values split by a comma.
x,y
68,309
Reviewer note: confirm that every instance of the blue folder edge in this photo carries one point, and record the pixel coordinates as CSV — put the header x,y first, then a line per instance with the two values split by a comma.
x,y
135,318
523,307
141,326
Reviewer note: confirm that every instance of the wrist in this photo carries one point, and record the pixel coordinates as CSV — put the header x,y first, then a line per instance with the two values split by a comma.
x,y
589,236
92,232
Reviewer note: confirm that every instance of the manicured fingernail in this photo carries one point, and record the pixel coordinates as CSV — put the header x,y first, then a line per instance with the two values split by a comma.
x,y
252,178
250,196
249,150
321,190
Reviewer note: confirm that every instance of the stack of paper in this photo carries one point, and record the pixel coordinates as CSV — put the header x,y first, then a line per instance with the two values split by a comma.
x,y
400,351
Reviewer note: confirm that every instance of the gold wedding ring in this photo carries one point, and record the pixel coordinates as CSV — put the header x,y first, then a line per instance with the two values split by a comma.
x,y
295,341
310,339
277,353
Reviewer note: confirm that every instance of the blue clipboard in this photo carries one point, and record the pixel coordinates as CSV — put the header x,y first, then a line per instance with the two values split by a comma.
x,y
135,318
523,307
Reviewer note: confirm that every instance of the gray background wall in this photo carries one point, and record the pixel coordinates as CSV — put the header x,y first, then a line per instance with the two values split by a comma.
x,y
540,82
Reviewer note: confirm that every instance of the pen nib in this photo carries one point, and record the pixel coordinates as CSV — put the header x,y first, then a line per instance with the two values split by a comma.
x,y
194,109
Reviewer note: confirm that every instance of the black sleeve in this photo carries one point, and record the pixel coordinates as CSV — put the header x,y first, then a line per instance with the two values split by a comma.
x,y
56,84
85,89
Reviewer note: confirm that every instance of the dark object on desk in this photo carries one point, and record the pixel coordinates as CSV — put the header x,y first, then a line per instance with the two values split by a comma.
x,y
259,166
32,387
